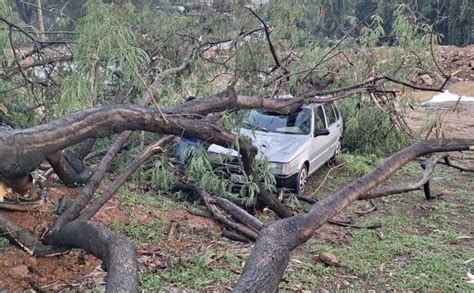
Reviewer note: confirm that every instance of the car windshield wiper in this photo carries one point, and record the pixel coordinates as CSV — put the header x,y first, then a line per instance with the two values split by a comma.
x,y
256,127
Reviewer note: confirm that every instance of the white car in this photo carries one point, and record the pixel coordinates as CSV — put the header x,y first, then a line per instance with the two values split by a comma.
x,y
296,145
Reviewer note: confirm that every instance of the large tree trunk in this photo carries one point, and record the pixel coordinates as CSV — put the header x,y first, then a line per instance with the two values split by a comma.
x,y
22,150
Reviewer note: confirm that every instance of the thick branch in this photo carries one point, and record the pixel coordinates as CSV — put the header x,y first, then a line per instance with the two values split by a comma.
x,y
116,251
237,213
221,218
97,122
66,172
270,256
428,167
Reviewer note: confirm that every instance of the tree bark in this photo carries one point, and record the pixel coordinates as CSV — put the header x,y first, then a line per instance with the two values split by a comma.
x,y
117,252
24,149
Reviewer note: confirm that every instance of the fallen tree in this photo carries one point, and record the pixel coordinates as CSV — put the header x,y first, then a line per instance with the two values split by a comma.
x,y
23,150
274,243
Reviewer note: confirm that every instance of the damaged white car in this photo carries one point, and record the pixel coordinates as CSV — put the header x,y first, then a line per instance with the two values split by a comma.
x,y
296,145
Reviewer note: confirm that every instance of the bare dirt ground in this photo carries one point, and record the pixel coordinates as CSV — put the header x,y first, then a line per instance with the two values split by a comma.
x,y
79,270
458,119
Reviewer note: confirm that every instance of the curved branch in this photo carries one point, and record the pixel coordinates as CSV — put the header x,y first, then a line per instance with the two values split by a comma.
x,y
270,256
38,142
67,172
117,252
428,167
456,165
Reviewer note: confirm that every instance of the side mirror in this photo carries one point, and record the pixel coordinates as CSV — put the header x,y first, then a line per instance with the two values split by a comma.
x,y
321,132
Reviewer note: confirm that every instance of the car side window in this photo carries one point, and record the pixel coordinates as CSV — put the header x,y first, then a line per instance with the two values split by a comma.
x,y
336,110
330,113
319,122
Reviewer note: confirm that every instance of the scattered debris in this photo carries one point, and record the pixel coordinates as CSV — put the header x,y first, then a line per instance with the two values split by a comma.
x,y
327,258
470,277
427,80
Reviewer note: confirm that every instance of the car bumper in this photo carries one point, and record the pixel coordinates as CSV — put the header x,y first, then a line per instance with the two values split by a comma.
x,y
234,173
286,180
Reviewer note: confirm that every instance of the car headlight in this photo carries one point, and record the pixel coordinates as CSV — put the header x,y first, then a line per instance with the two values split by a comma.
x,y
279,168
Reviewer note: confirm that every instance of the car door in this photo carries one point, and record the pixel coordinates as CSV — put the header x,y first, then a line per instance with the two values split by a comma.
x,y
319,146
335,128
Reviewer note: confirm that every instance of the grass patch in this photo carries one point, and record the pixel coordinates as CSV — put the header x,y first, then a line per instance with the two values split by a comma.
x,y
398,255
141,232
198,272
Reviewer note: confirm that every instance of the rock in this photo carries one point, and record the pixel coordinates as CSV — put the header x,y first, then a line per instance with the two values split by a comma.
x,y
328,259
427,79
472,64
19,272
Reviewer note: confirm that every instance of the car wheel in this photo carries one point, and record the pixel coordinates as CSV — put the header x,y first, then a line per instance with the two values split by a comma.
x,y
301,180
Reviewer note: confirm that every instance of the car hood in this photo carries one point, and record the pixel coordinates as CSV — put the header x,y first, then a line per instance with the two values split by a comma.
x,y
277,147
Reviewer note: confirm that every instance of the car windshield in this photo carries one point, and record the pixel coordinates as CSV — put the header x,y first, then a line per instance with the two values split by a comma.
x,y
298,122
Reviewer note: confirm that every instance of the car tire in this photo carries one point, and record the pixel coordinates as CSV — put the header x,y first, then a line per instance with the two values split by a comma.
x,y
301,180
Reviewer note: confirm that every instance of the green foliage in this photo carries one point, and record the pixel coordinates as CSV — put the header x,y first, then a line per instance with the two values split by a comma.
x,y
5,9
369,130
193,273
201,172
4,242
105,35
161,175
370,35
143,232
358,165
